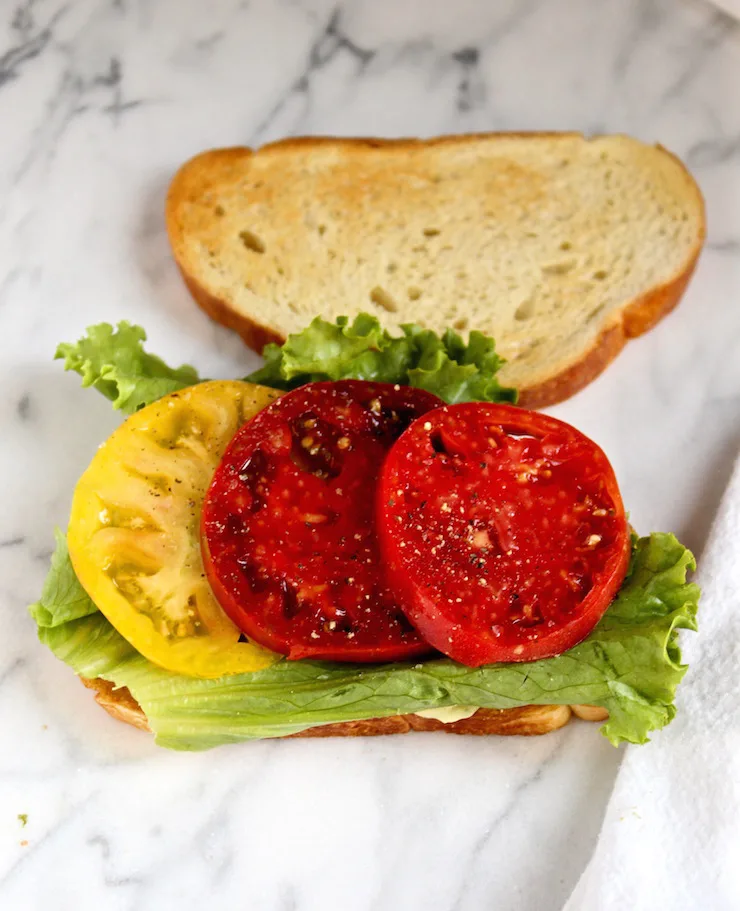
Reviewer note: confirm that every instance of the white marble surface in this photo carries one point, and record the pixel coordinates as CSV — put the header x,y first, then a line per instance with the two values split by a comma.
x,y
99,102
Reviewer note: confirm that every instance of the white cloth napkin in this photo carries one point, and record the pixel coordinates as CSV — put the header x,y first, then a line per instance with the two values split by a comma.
x,y
671,834
729,6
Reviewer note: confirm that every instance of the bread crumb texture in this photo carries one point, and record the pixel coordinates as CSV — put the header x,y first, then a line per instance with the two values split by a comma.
x,y
543,241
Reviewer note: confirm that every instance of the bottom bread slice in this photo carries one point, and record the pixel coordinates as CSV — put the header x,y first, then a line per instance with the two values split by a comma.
x,y
528,719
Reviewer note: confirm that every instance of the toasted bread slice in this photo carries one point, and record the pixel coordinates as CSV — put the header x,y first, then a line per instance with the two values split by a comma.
x,y
528,720
559,246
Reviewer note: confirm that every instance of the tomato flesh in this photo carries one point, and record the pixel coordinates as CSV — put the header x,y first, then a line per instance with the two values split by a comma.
x,y
134,530
503,532
288,532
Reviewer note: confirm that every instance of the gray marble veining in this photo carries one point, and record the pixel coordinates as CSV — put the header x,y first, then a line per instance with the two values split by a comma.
x,y
99,103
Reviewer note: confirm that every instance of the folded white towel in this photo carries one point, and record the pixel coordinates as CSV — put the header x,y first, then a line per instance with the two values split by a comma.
x,y
671,834
729,6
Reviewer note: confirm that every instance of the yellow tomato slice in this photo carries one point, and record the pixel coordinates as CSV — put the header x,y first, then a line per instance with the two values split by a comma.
x,y
134,532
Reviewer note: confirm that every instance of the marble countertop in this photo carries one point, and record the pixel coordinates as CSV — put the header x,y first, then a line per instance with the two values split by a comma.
x,y
99,103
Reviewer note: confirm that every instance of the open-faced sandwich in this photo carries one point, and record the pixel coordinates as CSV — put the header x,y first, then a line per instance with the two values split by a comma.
x,y
365,536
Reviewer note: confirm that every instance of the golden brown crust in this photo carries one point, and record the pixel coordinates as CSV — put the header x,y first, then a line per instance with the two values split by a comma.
x,y
403,142
253,334
528,720
640,316
119,703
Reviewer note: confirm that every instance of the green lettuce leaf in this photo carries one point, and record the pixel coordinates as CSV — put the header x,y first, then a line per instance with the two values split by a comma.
x,y
363,350
114,362
62,598
630,664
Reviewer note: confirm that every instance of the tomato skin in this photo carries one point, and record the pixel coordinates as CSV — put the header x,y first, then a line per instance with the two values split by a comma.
x,y
288,528
503,532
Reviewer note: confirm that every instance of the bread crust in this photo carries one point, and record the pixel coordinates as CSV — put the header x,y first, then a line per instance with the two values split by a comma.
x,y
528,720
639,317
118,703
252,333
634,320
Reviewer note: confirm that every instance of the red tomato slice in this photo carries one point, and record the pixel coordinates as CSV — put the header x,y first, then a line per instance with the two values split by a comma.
x,y
289,540
503,532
